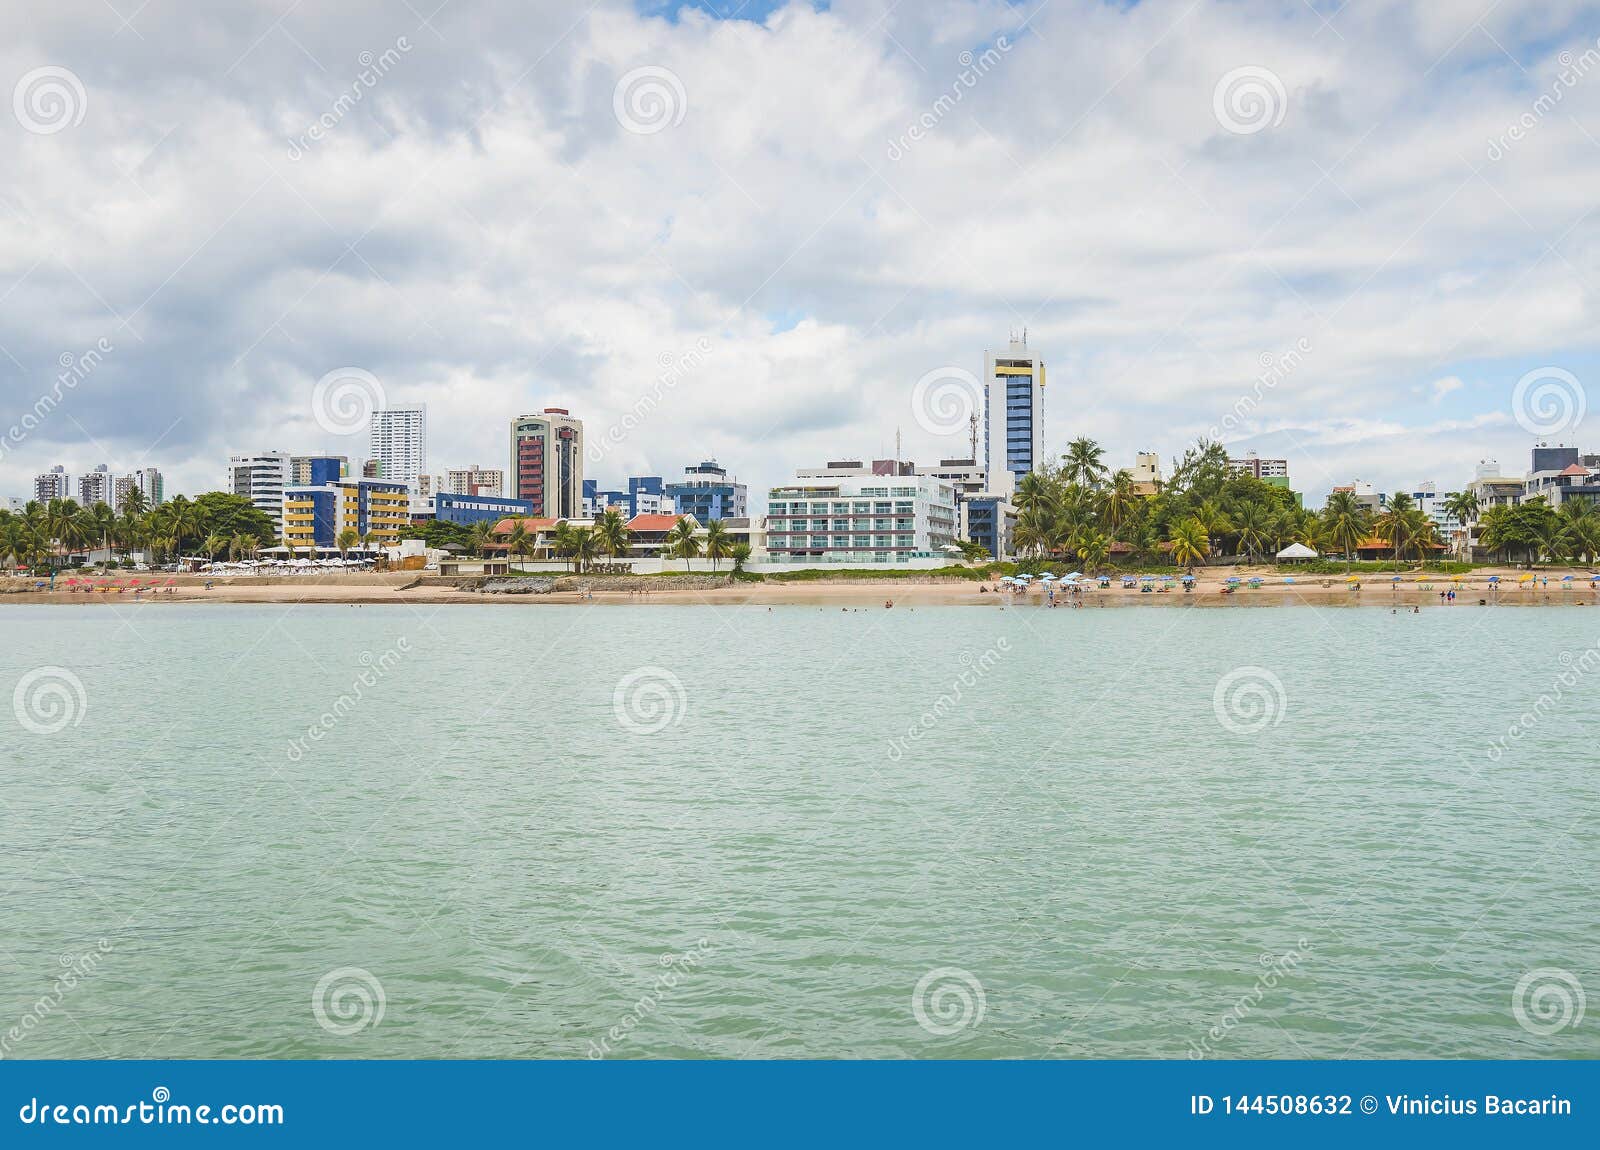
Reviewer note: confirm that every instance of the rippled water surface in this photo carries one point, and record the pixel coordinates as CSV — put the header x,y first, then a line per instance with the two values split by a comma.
x,y
955,832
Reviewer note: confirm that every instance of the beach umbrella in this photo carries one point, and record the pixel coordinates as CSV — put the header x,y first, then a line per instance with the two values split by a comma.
x,y
1394,579
1352,578
1233,579
1288,578
1073,575
1147,578
1526,577
1566,578
1047,577
1494,578
1188,578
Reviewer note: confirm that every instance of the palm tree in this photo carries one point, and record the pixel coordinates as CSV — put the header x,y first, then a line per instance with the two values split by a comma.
x,y
585,548
1035,492
1211,515
1119,499
1462,506
1397,525
1582,523
1094,548
346,539
479,535
212,544
1346,523
562,538
717,542
611,530
740,553
682,541
1084,462
1190,543
133,503
1252,526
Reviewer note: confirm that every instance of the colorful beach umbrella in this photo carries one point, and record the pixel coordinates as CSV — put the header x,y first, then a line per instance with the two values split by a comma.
x,y
1525,578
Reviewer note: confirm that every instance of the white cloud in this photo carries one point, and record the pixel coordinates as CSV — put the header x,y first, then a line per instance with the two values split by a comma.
x,y
480,232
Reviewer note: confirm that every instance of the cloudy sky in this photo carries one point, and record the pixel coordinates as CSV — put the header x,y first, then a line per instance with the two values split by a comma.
x,y
493,207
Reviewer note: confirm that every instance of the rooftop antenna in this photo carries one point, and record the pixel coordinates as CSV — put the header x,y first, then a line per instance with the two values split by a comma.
x,y
897,448
972,432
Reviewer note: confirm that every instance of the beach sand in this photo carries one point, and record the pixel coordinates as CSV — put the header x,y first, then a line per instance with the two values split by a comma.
x,y
1320,591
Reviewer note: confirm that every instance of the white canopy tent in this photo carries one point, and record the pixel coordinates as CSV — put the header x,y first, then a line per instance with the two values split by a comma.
x,y
1297,551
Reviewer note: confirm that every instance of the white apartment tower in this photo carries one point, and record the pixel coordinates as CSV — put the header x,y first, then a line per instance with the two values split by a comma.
x,y
398,443
261,479
52,484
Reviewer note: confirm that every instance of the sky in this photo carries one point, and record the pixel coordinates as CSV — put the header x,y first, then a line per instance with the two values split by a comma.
x,y
1362,237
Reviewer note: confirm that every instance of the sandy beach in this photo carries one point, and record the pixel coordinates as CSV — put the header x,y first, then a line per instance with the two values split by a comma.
x,y
1414,590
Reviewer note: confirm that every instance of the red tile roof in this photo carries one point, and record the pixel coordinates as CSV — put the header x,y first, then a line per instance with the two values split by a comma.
x,y
1576,469
652,523
506,526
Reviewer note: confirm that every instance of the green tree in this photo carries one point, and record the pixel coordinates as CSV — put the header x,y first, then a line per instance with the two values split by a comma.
x,y
682,541
717,542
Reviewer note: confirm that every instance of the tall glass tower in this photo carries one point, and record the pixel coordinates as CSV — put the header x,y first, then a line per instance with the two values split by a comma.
x,y
1013,414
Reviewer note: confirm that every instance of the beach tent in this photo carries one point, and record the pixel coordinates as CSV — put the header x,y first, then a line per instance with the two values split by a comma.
x,y
1297,551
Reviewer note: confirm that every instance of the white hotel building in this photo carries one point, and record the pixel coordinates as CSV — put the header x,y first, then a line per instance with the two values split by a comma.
x,y
261,479
848,512
398,441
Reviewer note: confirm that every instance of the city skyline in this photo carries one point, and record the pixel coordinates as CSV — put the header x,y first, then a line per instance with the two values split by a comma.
x,y
1422,247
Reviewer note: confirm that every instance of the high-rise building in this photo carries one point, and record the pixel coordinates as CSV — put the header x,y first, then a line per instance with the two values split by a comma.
x,y
398,442
708,492
547,463
1013,414
474,480
95,487
315,470
261,479
52,484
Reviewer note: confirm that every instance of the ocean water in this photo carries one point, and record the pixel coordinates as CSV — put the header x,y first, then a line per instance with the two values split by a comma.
x,y
672,831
